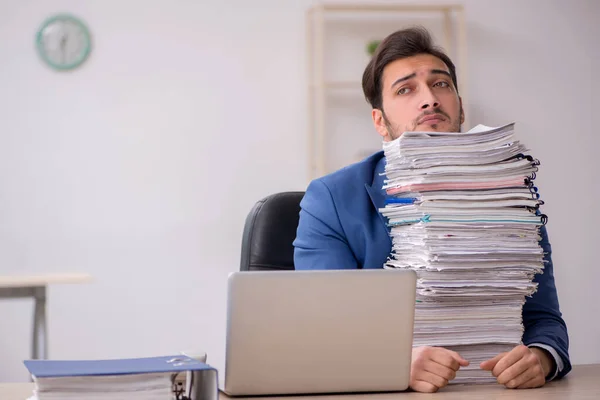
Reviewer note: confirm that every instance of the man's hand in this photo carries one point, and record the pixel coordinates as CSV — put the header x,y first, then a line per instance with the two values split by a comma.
x,y
433,367
520,368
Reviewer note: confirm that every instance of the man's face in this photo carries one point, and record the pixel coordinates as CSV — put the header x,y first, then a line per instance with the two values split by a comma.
x,y
417,95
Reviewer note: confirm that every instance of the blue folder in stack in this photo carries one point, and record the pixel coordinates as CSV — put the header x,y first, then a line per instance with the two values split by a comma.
x,y
124,378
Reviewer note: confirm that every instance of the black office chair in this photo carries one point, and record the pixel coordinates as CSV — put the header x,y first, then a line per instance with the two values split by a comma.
x,y
269,231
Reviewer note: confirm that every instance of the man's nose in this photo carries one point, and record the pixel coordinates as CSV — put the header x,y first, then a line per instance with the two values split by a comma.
x,y
429,100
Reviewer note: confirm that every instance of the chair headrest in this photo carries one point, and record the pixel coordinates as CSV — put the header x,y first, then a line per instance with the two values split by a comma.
x,y
269,232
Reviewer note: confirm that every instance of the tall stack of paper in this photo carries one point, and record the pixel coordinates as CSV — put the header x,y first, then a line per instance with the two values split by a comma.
x,y
140,378
464,215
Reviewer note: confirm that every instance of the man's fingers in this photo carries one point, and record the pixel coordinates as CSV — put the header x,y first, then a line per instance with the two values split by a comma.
x,y
424,387
449,358
434,379
458,357
445,359
519,368
514,370
440,370
488,365
525,377
510,358
432,368
533,383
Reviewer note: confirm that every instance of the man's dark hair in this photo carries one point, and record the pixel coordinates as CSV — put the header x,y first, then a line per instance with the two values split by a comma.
x,y
400,44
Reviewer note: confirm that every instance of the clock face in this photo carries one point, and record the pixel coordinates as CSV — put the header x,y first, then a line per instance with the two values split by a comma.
x,y
63,42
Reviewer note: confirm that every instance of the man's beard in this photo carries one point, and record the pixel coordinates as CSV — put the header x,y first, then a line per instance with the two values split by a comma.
x,y
396,132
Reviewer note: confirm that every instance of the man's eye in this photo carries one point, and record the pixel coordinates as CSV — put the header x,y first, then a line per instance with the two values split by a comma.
x,y
442,84
404,90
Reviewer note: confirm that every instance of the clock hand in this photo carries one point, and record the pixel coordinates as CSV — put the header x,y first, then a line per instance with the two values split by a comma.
x,y
63,45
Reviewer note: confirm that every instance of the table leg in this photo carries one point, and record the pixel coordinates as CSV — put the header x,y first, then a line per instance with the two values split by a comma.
x,y
39,344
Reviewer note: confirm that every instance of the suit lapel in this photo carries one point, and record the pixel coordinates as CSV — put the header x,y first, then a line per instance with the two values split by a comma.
x,y
376,193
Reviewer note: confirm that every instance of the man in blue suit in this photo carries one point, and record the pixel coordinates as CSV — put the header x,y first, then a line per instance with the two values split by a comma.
x,y
411,85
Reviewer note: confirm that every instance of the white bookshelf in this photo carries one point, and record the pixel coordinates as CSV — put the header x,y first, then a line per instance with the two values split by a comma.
x,y
340,127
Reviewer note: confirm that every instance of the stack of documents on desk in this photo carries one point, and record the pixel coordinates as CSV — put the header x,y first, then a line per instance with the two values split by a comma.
x,y
464,214
123,379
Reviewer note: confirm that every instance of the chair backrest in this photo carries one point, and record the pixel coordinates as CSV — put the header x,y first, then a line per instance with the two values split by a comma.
x,y
269,232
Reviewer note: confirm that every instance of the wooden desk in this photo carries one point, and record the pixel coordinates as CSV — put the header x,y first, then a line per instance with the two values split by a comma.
x,y
13,287
581,383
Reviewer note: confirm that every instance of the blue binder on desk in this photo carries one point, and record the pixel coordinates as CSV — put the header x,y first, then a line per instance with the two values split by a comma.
x,y
201,382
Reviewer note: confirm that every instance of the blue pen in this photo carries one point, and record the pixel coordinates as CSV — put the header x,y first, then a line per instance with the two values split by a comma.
x,y
401,200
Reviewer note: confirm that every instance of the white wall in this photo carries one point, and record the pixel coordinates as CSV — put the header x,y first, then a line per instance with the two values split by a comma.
x,y
140,167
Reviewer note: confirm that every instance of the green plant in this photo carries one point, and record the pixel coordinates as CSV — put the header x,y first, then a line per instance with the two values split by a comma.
x,y
372,46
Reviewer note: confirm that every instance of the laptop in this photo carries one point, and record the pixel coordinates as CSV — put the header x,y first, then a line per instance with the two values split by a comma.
x,y
318,332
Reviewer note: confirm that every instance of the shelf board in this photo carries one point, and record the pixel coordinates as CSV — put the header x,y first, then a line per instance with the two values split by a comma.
x,y
388,7
338,85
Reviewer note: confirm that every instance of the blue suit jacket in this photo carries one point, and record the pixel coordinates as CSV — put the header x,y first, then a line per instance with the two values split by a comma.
x,y
340,228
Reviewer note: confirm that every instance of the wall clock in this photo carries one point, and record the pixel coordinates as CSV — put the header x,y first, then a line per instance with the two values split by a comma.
x,y
63,42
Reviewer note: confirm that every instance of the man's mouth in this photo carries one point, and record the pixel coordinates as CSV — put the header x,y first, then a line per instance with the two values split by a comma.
x,y
432,119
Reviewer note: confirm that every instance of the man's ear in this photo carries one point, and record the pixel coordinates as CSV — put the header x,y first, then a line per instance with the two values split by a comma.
x,y
462,112
379,123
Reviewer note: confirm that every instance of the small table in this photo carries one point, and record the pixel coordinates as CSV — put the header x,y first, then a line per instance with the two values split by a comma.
x,y
14,287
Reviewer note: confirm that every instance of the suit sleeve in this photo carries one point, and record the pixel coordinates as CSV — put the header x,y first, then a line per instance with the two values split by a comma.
x,y
320,239
542,318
